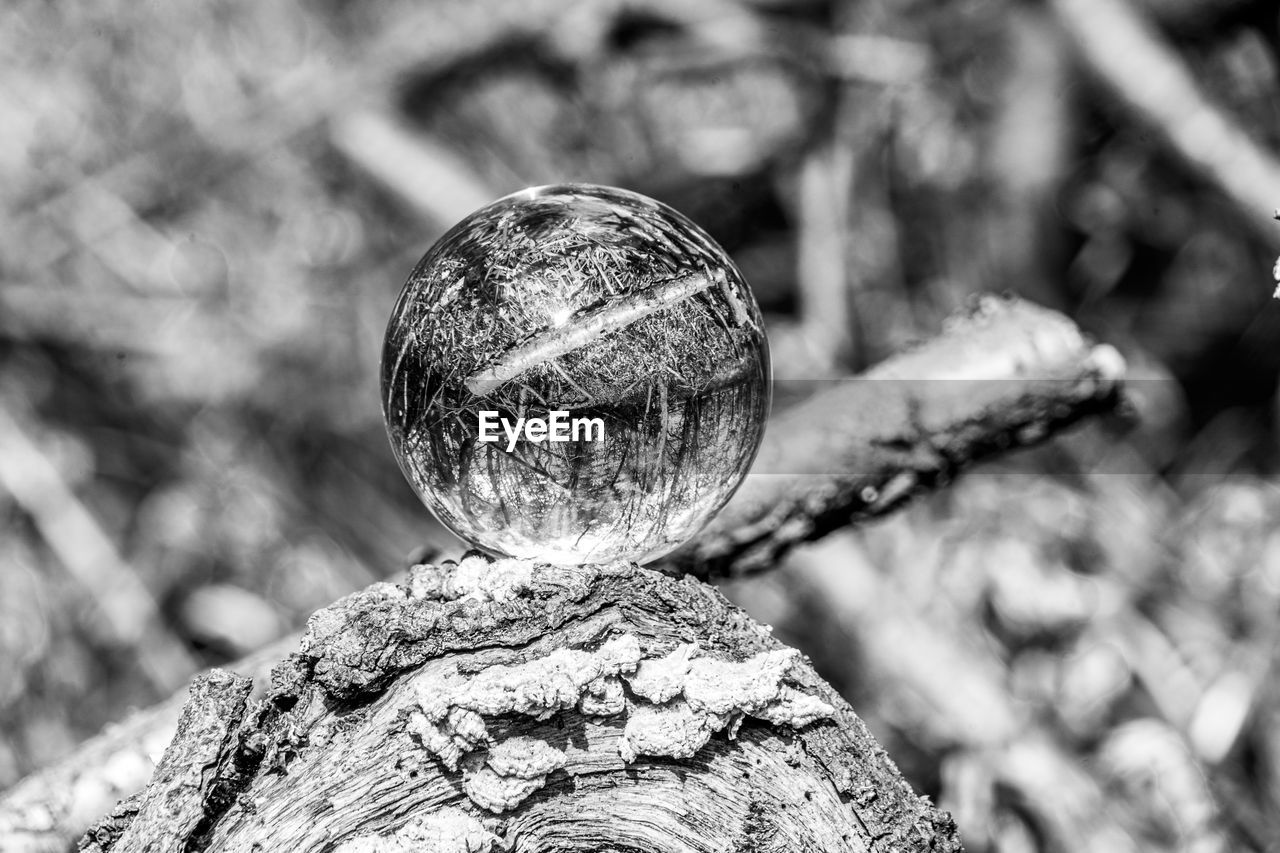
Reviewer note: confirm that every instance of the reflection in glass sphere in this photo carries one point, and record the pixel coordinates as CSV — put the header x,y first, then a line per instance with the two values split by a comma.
x,y
575,374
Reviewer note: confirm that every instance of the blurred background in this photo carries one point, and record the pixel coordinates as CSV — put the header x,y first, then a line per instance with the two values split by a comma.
x,y
208,210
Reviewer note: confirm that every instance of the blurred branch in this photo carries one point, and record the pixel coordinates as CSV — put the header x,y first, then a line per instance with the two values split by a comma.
x,y
948,689
1008,374
1069,803
855,211
1126,53
89,555
1147,763
428,177
107,317
1027,162
822,277
874,58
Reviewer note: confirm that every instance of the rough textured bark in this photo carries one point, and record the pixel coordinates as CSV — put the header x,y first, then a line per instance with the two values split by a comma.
x,y
1005,375
526,707
197,765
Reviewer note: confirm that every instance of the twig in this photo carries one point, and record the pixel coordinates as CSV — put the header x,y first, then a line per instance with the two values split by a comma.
x,y
1130,57
1008,374
429,177
584,329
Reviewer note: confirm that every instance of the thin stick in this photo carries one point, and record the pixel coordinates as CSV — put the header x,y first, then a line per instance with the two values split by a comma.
x,y
429,176
555,342
827,303
1009,374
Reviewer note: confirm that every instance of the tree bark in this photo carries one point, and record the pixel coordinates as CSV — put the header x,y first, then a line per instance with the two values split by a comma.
x,y
509,705
1005,374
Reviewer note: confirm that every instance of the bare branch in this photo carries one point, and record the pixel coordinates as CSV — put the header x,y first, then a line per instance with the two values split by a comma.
x,y
428,176
582,330
1007,375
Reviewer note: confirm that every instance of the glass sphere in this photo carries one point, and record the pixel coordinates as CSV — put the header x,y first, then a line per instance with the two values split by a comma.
x,y
576,374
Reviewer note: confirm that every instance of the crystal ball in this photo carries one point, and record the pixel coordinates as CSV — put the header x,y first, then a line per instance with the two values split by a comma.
x,y
575,374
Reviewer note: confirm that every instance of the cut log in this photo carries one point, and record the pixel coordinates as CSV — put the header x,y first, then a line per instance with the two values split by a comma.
x,y
517,706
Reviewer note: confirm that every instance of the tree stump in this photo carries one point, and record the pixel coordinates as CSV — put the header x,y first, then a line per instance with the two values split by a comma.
x,y
517,706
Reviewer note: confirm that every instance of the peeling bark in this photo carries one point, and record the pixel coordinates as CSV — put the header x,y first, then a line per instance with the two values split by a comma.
x,y
530,707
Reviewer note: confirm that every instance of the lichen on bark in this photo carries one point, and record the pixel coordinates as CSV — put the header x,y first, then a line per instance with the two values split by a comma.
x,y
541,707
